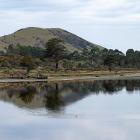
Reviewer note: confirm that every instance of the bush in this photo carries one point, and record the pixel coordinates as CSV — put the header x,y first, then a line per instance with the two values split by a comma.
x,y
28,62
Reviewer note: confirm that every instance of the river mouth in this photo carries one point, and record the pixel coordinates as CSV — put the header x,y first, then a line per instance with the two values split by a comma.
x,y
99,110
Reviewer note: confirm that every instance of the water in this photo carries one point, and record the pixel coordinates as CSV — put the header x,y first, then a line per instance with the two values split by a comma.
x,y
91,110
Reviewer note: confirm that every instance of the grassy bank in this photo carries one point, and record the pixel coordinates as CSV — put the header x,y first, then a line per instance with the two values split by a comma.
x,y
43,74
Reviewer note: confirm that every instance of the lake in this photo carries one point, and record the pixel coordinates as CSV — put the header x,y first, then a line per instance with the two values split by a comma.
x,y
82,110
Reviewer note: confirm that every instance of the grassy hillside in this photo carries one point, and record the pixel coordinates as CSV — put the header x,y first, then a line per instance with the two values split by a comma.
x,y
37,37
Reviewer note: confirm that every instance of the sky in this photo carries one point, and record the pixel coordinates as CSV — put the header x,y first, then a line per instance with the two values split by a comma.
x,y
111,23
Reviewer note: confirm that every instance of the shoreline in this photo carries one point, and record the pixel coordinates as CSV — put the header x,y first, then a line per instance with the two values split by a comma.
x,y
126,76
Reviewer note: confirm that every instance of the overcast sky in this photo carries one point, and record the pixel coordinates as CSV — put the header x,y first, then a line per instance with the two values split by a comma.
x,y
111,23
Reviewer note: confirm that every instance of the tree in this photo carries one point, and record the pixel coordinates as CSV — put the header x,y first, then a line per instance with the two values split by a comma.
x,y
109,61
25,51
94,55
28,62
130,58
130,52
95,51
74,55
85,53
55,50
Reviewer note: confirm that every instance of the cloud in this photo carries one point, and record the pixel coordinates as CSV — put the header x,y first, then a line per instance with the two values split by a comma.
x,y
67,13
77,10
76,16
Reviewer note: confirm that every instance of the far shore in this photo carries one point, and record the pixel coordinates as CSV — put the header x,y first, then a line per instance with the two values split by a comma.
x,y
124,76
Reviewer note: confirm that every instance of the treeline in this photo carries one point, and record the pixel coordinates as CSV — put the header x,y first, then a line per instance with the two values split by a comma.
x,y
110,58
55,56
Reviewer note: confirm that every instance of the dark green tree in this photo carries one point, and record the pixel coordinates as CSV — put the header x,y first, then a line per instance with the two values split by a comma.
x,y
130,58
130,52
56,51
109,61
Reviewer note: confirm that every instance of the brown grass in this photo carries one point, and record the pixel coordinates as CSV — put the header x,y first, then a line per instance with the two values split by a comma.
x,y
12,73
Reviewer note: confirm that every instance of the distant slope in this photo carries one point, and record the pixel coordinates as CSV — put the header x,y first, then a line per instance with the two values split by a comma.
x,y
37,37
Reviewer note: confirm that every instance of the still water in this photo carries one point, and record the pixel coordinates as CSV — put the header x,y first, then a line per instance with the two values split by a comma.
x,y
91,110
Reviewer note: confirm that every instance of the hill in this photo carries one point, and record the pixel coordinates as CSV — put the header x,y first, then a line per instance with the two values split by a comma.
x,y
26,52
37,37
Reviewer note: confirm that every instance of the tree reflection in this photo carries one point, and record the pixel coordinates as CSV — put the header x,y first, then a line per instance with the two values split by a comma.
x,y
27,95
55,96
53,100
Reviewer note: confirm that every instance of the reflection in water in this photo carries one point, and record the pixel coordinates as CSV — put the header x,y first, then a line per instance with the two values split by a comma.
x,y
53,99
91,110
55,96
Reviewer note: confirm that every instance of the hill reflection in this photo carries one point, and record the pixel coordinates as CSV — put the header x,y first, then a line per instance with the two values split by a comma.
x,y
55,96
